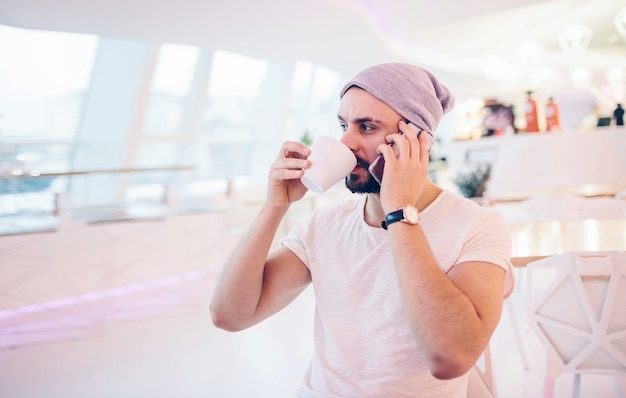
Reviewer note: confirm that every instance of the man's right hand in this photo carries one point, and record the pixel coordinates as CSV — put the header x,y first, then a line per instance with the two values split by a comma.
x,y
284,186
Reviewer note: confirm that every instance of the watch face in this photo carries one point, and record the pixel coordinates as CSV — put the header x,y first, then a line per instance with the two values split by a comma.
x,y
411,215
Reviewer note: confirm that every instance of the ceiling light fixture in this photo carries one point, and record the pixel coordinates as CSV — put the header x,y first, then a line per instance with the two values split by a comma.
x,y
575,37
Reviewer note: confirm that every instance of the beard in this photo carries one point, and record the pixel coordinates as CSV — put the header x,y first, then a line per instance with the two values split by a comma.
x,y
357,183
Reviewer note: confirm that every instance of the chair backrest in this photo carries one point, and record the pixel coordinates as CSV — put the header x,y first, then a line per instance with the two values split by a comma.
x,y
576,308
480,384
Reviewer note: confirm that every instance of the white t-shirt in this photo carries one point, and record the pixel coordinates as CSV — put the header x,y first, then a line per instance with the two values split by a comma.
x,y
363,345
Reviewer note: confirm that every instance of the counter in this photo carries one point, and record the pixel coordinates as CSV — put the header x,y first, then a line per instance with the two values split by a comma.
x,y
585,163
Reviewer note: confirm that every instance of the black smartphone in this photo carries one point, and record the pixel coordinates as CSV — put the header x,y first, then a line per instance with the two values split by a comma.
x,y
378,165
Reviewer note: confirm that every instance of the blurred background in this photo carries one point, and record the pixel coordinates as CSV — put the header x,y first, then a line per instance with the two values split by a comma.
x,y
136,137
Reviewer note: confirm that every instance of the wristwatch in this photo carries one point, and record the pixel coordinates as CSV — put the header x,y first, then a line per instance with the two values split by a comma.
x,y
408,214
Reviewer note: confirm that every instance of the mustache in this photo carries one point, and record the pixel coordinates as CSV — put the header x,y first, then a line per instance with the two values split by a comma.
x,y
362,162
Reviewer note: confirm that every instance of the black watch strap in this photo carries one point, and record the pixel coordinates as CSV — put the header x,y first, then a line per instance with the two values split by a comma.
x,y
392,217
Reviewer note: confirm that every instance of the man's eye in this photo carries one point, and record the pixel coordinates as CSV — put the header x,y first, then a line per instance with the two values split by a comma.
x,y
343,127
366,127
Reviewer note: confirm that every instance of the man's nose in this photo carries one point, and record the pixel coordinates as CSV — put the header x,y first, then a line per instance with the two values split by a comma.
x,y
349,138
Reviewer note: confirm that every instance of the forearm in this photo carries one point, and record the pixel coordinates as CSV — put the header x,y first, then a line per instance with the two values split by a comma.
x,y
240,284
445,323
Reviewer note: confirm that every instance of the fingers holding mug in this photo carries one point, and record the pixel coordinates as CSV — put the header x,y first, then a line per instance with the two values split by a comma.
x,y
291,161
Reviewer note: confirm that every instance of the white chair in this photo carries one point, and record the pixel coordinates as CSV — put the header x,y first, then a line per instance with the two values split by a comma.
x,y
480,384
576,308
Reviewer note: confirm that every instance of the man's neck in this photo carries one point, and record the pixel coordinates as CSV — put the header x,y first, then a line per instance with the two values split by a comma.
x,y
374,213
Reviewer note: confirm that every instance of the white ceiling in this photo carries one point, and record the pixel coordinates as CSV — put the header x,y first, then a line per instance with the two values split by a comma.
x,y
455,36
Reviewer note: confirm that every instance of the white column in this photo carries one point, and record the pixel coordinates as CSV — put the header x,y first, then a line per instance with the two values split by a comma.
x,y
275,94
110,106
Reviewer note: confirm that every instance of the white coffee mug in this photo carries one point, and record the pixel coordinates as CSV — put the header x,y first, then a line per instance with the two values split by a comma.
x,y
331,161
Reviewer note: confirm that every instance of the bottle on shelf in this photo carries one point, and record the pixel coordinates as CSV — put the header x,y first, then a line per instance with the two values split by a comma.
x,y
552,116
532,125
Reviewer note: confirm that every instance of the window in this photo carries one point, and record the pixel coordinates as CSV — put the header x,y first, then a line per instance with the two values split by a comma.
x,y
170,89
234,95
43,80
44,77
315,99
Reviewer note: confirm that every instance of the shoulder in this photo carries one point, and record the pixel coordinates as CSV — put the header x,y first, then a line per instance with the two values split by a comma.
x,y
449,202
458,215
